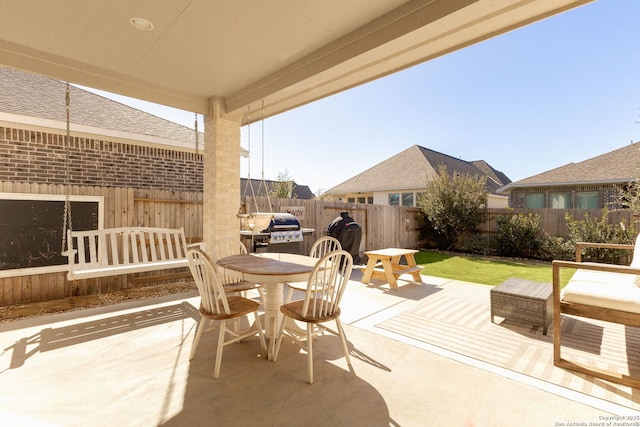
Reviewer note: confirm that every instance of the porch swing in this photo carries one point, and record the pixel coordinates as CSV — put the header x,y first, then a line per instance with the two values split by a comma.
x,y
256,218
117,251
273,231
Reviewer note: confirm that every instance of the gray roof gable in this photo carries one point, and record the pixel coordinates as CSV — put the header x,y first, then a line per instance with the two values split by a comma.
x,y
408,169
497,176
411,169
41,97
620,165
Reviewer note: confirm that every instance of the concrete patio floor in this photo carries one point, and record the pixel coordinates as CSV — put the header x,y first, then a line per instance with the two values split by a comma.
x,y
129,365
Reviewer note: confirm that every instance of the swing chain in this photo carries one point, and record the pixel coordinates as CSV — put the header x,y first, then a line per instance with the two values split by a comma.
x,y
267,190
195,179
249,182
67,223
263,182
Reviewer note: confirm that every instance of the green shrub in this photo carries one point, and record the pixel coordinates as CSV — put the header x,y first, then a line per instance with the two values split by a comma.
x,y
479,244
598,230
518,235
551,248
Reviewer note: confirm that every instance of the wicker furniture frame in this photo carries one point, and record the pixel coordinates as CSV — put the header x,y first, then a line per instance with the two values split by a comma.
x,y
524,301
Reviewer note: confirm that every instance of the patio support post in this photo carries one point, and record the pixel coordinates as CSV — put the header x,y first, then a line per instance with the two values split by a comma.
x,y
221,192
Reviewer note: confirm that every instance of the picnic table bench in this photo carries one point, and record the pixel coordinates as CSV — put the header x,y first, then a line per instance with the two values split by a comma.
x,y
385,264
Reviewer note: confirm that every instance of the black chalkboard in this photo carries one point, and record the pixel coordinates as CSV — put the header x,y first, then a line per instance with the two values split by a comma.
x,y
31,230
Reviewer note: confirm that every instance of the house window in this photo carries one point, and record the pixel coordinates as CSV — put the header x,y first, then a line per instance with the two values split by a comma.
x,y
351,199
361,199
560,200
534,200
407,199
370,200
394,199
587,200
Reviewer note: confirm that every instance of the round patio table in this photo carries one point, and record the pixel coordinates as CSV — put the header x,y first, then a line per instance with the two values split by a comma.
x,y
272,270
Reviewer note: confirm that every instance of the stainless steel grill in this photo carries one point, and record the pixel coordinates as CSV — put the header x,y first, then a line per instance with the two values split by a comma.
x,y
284,228
273,232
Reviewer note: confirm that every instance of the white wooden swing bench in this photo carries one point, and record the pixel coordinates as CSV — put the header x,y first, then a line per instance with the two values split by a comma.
x,y
125,250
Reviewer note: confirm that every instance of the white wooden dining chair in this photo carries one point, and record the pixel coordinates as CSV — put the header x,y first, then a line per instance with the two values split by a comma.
x,y
226,247
320,247
325,288
216,306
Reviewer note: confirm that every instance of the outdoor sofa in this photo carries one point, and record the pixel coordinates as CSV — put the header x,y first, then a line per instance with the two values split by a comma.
x,y
599,291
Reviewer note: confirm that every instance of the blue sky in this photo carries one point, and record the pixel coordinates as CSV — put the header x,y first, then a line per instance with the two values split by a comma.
x,y
561,90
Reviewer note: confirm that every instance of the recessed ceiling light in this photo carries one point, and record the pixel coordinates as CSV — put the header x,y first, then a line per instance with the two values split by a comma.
x,y
141,24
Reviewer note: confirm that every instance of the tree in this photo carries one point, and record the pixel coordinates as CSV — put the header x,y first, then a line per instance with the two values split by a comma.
x,y
628,196
452,204
283,187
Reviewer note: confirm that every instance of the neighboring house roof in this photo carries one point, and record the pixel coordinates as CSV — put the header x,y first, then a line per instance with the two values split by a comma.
x,y
491,172
43,99
259,187
616,166
25,94
412,168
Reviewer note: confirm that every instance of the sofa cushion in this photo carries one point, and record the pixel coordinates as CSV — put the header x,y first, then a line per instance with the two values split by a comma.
x,y
595,276
615,291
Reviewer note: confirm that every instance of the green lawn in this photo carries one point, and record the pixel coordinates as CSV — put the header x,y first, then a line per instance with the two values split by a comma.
x,y
488,271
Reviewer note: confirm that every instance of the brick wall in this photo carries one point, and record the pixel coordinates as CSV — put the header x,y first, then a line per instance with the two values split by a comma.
x,y
39,157
609,194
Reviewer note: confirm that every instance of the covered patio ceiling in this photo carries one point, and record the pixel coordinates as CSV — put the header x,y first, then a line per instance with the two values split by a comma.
x,y
283,53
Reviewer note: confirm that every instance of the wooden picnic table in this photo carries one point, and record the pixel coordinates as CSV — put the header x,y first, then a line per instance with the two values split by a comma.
x,y
385,264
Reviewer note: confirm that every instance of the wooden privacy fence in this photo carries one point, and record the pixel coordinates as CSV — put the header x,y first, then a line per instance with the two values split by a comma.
x,y
552,221
396,226
383,227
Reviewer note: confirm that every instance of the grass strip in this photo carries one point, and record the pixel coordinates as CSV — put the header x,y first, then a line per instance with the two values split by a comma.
x,y
486,270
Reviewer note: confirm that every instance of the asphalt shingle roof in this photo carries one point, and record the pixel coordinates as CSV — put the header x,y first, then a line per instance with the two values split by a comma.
x,y
36,96
40,97
412,168
620,165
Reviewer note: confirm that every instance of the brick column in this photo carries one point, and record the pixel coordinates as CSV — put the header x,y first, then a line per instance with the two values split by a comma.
x,y
221,193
